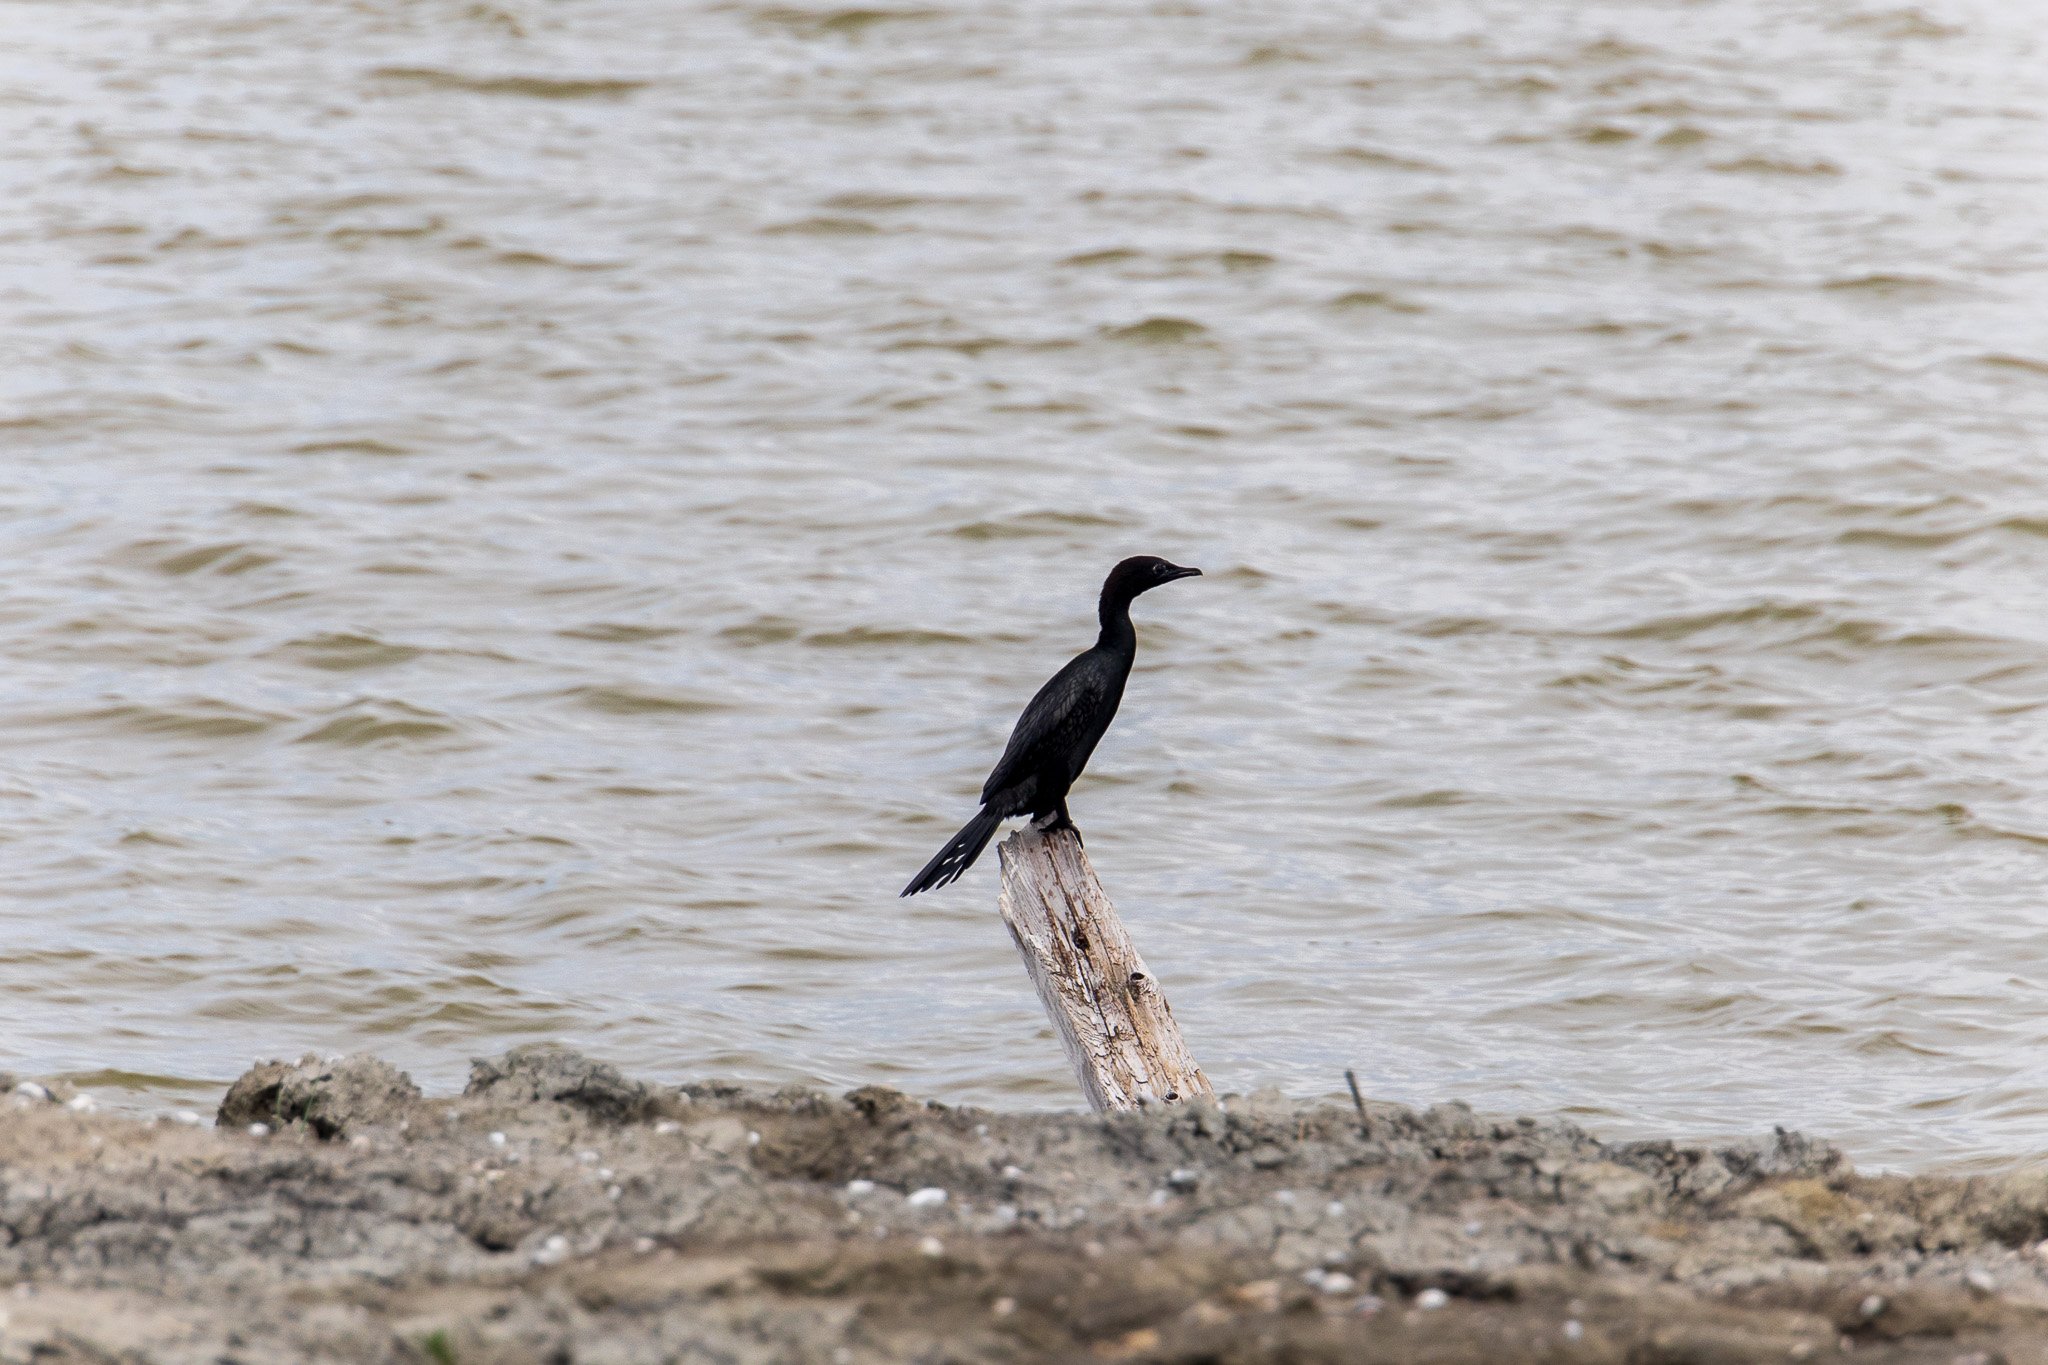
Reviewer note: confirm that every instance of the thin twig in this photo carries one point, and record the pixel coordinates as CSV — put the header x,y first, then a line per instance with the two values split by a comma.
x,y
1364,1124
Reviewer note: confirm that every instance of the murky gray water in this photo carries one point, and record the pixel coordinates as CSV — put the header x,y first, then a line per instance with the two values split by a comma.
x,y
532,520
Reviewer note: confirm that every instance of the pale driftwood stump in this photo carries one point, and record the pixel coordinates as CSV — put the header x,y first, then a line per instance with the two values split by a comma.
x,y
1116,1026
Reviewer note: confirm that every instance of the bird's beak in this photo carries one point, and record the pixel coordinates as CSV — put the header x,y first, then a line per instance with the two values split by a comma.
x,y
1184,573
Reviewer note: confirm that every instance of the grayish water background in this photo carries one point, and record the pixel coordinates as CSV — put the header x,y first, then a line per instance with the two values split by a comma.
x,y
532,520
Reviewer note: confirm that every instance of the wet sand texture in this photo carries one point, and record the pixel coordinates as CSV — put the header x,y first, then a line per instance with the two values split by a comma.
x,y
559,1211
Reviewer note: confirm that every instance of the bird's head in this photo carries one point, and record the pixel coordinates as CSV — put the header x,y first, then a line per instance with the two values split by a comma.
x,y
1142,573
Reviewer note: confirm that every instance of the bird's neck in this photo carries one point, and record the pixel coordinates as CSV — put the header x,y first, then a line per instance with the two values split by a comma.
x,y
1118,635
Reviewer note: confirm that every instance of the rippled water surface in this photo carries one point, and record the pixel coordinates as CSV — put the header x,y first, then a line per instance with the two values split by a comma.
x,y
531,520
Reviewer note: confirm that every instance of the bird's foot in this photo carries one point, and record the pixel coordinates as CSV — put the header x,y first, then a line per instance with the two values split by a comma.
x,y
1057,821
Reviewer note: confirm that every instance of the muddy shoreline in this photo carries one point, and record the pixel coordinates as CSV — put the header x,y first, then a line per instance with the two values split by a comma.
x,y
558,1211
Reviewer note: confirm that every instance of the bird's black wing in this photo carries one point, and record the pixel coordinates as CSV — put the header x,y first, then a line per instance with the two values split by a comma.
x,y
1063,721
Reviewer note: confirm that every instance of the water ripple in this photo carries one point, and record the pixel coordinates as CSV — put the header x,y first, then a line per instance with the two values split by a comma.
x,y
514,538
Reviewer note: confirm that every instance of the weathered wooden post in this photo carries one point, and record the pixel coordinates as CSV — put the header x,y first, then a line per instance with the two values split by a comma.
x,y
1116,1026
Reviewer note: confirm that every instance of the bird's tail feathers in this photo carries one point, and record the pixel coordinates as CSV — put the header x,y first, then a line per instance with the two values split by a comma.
x,y
958,855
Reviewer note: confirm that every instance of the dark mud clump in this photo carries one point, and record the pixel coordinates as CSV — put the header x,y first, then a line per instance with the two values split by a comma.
x,y
328,1099
547,1072
559,1211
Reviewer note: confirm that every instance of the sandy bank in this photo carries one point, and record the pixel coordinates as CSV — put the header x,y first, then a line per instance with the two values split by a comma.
x,y
558,1211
